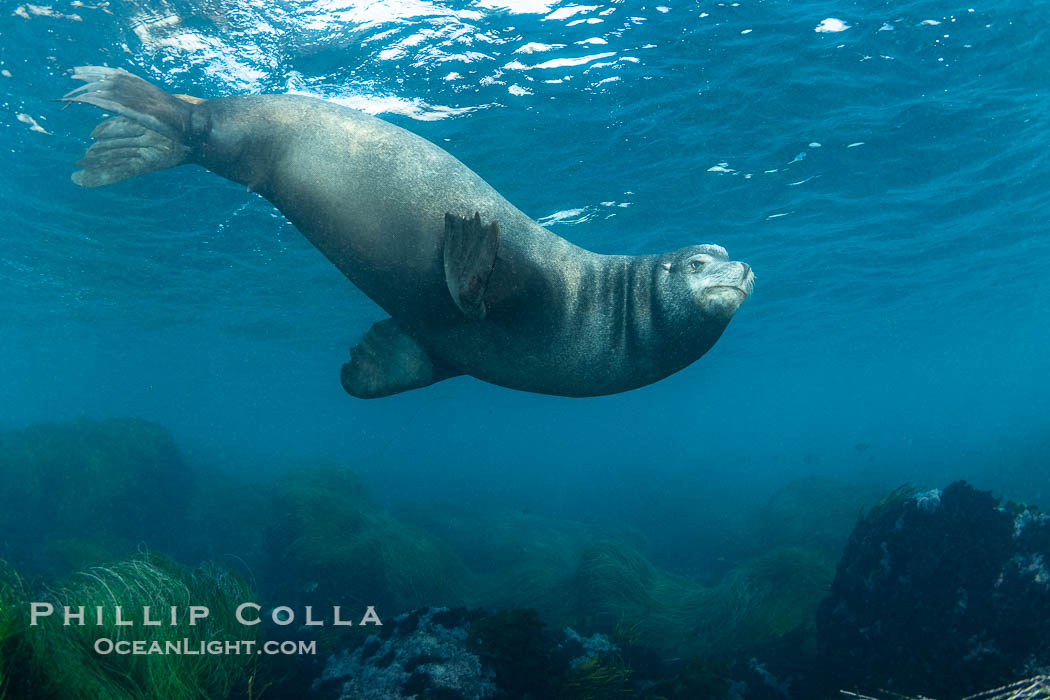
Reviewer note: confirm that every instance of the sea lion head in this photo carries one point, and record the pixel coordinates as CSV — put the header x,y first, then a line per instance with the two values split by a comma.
x,y
700,287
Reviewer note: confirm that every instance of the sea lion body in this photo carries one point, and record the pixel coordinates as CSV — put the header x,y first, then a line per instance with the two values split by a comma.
x,y
378,202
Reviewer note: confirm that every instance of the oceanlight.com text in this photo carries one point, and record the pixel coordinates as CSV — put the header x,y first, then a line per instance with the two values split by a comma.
x,y
185,647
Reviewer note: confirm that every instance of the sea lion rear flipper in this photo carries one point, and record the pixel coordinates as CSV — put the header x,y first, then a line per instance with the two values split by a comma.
x,y
151,133
388,361
470,255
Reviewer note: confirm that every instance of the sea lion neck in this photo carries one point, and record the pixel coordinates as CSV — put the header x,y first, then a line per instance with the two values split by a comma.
x,y
619,291
660,330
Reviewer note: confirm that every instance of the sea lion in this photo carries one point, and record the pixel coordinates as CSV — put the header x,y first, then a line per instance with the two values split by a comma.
x,y
472,285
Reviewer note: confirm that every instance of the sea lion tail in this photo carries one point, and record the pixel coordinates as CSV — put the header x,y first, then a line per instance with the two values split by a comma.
x,y
153,132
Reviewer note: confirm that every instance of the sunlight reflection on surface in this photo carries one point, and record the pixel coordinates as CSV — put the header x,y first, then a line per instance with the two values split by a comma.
x,y
256,46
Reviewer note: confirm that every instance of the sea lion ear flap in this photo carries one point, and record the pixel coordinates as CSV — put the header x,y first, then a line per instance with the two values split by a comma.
x,y
470,255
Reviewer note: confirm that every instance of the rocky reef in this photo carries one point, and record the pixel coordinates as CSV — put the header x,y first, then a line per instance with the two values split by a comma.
x,y
941,593
460,654
76,494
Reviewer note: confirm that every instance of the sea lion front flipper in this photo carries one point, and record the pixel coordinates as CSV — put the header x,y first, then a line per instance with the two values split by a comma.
x,y
470,255
388,361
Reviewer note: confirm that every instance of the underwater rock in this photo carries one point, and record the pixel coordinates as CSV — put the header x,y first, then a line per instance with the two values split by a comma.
x,y
327,542
88,491
425,651
459,654
514,559
761,603
940,593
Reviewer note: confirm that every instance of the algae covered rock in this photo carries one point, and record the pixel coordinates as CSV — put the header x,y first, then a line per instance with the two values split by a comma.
x,y
422,652
770,599
328,541
461,654
75,491
940,593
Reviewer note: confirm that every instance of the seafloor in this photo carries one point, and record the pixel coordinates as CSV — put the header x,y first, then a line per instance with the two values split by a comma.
x,y
827,586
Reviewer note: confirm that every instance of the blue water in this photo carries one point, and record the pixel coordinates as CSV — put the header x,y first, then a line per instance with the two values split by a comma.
x,y
887,183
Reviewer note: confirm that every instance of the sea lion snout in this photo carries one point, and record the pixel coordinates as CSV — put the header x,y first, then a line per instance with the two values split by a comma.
x,y
727,288
721,286
724,299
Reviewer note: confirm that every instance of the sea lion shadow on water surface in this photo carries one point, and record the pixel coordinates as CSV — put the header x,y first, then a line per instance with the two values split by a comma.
x,y
472,285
